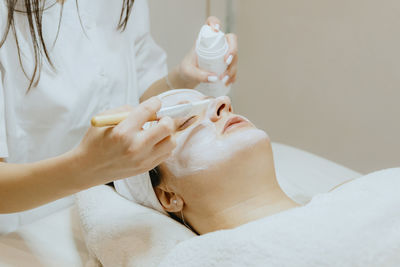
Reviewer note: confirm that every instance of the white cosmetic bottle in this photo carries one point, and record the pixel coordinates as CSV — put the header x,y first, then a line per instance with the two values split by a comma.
x,y
211,48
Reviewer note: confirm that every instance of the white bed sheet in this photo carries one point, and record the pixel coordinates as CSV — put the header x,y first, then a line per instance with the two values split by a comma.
x,y
302,175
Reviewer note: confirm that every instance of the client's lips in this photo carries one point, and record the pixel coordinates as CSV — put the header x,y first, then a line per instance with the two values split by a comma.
x,y
233,122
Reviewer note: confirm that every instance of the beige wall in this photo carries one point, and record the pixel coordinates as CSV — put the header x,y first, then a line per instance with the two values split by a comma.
x,y
175,25
324,76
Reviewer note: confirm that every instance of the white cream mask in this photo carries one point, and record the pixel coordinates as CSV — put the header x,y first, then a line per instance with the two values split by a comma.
x,y
201,147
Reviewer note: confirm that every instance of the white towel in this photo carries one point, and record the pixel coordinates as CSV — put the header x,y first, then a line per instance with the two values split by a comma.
x,y
357,224
119,232
140,190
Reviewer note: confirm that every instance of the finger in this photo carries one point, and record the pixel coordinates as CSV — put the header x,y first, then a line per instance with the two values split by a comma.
x,y
232,68
160,154
151,163
224,79
231,80
230,72
214,22
233,48
227,80
164,128
160,160
200,75
146,111
165,146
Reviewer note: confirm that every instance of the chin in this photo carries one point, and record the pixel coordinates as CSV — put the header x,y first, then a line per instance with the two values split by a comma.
x,y
246,141
252,133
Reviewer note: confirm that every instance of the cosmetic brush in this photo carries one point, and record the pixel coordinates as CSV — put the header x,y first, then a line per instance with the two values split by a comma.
x,y
177,111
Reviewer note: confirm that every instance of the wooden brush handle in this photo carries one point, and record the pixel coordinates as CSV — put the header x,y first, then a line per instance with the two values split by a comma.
x,y
109,120
113,119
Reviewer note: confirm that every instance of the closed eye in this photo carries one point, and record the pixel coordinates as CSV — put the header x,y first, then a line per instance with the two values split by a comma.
x,y
187,123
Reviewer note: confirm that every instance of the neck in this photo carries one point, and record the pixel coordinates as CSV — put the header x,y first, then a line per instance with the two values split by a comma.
x,y
258,206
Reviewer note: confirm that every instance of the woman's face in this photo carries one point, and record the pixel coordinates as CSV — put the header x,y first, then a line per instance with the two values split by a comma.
x,y
217,151
212,137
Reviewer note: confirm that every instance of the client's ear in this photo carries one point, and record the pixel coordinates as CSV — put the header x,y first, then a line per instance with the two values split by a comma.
x,y
170,201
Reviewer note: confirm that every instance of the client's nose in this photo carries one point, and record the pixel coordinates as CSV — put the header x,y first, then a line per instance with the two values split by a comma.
x,y
221,105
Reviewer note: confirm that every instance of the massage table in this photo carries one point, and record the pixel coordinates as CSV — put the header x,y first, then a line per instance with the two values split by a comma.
x,y
55,239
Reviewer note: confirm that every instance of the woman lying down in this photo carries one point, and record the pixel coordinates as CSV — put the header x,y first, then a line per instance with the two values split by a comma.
x,y
221,174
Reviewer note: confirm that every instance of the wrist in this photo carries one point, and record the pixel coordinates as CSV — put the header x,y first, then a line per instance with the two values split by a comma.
x,y
55,178
83,171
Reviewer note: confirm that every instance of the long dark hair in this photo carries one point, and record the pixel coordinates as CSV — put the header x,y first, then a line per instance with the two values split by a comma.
x,y
34,11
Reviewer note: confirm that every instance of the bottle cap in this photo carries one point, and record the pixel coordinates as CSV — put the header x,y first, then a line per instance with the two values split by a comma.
x,y
211,43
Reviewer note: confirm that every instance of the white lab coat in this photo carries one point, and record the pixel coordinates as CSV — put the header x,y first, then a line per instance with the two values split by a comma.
x,y
98,68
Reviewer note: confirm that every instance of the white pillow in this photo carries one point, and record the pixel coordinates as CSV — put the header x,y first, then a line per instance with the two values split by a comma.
x,y
119,232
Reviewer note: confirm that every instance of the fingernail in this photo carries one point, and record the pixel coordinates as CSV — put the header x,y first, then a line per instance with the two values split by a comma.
x,y
225,79
212,79
229,60
217,27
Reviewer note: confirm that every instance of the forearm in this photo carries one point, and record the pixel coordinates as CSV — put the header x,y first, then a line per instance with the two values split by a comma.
x,y
161,85
26,186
